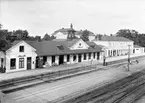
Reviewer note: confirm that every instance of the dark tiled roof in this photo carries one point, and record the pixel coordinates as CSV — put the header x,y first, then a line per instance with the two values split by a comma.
x,y
113,38
52,47
64,31
69,43
49,48
81,32
94,46
15,42
59,47
102,46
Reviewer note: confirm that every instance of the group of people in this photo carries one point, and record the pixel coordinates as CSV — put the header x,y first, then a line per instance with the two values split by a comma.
x,y
135,61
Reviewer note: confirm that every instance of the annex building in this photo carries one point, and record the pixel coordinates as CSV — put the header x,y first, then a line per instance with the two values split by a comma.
x,y
26,55
115,46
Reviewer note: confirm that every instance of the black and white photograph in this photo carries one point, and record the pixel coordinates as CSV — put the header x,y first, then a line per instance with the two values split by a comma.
x,y
72,51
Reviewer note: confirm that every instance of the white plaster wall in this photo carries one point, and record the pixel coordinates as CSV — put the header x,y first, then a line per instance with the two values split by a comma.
x,y
14,53
82,57
91,38
49,60
139,50
117,45
60,35
57,60
65,58
71,59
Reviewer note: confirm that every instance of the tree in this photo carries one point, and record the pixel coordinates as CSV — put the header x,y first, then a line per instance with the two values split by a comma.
x,y
46,37
98,36
132,35
4,45
38,38
21,34
52,37
85,35
0,26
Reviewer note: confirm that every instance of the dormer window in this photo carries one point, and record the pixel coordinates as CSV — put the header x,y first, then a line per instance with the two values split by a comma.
x,y
60,47
21,48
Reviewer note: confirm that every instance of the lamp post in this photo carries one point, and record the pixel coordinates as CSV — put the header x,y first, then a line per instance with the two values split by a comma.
x,y
128,56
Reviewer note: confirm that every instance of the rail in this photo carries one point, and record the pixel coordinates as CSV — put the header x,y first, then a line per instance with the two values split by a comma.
x,y
71,98
51,76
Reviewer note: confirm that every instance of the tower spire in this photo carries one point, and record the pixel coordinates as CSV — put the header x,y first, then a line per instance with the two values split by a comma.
x,y
71,26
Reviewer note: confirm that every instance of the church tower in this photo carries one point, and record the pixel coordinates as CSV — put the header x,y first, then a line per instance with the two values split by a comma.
x,y
71,32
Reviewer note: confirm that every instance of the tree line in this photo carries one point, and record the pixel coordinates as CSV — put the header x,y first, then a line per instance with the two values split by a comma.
x,y
7,37
138,38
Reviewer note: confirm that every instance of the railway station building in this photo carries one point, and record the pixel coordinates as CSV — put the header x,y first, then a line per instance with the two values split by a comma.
x,y
51,53
26,55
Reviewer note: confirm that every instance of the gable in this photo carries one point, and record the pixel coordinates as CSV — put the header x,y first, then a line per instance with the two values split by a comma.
x,y
80,44
27,47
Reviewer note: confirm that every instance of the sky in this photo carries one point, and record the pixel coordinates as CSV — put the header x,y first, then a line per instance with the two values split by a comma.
x,y
99,16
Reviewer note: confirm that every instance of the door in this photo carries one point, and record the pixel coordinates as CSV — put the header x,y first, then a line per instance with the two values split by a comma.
x,y
2,60
28,63
61,59
79,58
98,55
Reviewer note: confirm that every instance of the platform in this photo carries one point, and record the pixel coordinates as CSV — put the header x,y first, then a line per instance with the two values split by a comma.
x,y
18,74
66,88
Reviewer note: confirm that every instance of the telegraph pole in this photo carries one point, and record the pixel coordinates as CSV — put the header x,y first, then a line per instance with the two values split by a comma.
x,y
128,56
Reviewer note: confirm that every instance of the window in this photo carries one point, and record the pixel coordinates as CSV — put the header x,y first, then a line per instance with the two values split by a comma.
x,y
44,59
21,48
13,63
21,62
53,59
60,47
67,58
98,55
85,56
89,55
94,55
2,60
74,57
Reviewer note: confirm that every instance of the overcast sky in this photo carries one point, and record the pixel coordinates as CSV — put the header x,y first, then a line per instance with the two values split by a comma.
x,y
99,16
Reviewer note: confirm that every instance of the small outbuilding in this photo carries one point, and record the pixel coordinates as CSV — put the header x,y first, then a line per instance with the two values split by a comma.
x,y
138,49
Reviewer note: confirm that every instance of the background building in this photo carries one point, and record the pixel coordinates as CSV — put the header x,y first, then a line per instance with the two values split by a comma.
x,y
138,49
71,33
115,46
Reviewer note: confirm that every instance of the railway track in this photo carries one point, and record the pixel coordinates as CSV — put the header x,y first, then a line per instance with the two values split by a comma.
x,y
15,85
127,90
